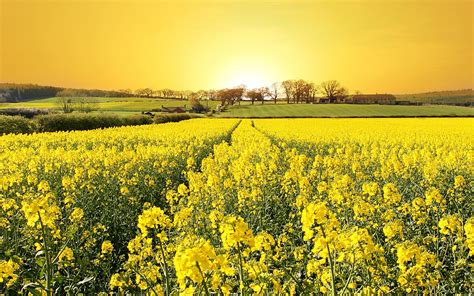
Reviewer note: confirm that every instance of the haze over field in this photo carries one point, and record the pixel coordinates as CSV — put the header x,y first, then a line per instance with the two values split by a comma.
x,y
370,46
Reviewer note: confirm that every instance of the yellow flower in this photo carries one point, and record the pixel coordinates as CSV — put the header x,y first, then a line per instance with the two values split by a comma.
x,y
194,260
450,225
41,206
116,281
66,255
459,182
316,214
469,232
225,289
76,215
7,272
43,186
433,195
413,262
182,189
263,241
235,232
390,194
107,247
370,189
391,229
153,218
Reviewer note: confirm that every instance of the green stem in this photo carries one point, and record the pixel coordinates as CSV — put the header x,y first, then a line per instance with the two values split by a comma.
x,y
146,280
203,279
331,264
350,276
241,273
49,273
165,268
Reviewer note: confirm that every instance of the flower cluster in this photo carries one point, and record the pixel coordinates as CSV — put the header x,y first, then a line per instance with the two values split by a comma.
x,y
222,207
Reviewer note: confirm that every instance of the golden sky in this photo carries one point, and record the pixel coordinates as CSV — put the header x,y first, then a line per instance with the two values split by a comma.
x,y
372,46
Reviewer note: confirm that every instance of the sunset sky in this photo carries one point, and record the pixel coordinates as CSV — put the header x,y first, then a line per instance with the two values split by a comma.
x,y
370,46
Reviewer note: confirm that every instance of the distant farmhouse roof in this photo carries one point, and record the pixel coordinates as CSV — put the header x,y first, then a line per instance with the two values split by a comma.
x,y
178,109
373,99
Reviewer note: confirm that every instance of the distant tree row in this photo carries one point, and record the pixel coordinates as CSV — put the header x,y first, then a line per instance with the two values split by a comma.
x,y
73,92
79,104
11,92
170,94
294,91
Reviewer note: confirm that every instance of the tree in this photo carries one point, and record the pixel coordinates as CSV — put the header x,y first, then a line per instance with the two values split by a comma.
x,y
166,93
125,92
307,91
185,94
229,96
66,104
85,105
202,94
144,92
313,91
264,92
333,89
254,95
211,94
300,90
273,91
288,87
195,103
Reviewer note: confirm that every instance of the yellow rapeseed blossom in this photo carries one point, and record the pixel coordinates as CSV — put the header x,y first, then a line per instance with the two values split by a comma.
x,y
469,231
153,218
393,228
194,260
41,207
253,206
7,272
450,225
76,215
235,233
106,247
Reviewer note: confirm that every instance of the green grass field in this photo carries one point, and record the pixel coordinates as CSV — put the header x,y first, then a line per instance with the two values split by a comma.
x,y
441,97
128,106
115,105
342,110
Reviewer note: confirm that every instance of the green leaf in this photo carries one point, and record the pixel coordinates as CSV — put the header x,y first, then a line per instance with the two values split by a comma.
x,y
86,280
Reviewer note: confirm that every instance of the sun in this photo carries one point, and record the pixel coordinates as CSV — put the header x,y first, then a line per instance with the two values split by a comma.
x,y
249,79
249,71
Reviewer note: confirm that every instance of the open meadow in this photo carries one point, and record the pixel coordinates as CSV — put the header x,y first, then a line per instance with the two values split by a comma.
x,y
110,105
270,110
131,106
226,206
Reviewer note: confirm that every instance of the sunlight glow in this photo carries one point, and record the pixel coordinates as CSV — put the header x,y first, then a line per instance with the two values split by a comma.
x,y
249,79
417,45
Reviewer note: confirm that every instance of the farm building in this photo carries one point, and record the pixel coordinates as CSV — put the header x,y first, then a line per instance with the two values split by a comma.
x,y
385,99
326,100
330,100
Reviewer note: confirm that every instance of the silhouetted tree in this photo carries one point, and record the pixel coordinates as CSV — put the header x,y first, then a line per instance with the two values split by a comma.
x,y
273,91
144,92
332,89
288,87
229,96
66,104
254,95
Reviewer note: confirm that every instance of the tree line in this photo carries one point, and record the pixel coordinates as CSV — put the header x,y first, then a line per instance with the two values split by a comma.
x,y
294,91
12,92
